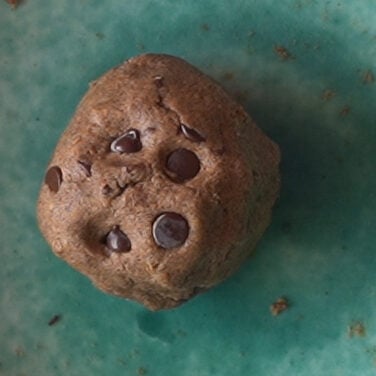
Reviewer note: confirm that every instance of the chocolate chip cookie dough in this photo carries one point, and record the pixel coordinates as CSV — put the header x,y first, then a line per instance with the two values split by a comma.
x,y
161,185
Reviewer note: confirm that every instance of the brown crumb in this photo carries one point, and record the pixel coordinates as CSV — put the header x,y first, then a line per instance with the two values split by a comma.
x,y
205,27
121,361
228,76
181,333
345,110
142,371
328,94
99,35
371,350
368,77
19,351
54,320
13,3
280,305
241,95
283,53
357,328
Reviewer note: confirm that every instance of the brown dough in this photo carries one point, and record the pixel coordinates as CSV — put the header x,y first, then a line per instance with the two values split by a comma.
x,y
103,193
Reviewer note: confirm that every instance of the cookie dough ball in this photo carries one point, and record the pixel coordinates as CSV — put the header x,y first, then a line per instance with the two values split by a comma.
x,y
161,185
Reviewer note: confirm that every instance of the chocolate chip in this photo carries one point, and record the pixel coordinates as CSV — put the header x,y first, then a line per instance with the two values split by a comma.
x,y
54,178
183,164
117,241
191,134
86,167
129,142
170,230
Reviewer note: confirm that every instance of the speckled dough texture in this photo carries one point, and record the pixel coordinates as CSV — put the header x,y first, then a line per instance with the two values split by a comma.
x,y
99,186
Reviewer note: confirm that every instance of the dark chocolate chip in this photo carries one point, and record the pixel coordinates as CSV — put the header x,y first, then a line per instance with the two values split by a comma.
x,y
117,241
191,134
54,178
183,164
86,167
129,142
170,230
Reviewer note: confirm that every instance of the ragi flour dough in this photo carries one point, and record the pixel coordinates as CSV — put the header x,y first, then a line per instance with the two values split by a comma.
x,y
161,185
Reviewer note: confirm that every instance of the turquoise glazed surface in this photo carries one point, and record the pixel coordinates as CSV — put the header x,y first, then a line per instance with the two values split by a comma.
x,y
305,70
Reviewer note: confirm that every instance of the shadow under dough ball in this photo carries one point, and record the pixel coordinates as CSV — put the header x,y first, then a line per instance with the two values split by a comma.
x,y
161,185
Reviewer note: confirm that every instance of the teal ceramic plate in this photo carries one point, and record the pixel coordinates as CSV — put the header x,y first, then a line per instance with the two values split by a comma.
x,y
305,70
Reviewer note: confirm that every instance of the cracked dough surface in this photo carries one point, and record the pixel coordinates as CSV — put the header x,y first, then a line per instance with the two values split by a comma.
x,y
125,206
